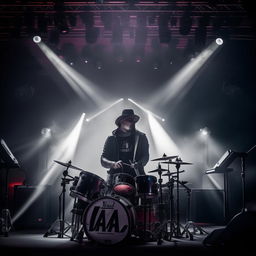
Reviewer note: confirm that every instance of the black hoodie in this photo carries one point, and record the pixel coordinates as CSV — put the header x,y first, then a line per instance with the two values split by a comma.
x,y
111,151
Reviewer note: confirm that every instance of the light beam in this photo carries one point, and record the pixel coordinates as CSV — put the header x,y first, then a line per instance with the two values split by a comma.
x,y
64,152
81,86
179,85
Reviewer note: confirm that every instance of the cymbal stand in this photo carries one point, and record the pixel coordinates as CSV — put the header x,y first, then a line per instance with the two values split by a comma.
x,y
190,224
162,226
178,230
171,221
178,233
61,219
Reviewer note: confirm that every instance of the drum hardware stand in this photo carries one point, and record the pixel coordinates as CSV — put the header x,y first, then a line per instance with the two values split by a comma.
x,y
175,225
171,221
75,222
61,219
190,224
77,230
162,227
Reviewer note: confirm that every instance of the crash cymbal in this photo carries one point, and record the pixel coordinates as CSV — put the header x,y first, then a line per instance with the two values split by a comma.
x,y
159,169
69,165
172,173
164,158
176,162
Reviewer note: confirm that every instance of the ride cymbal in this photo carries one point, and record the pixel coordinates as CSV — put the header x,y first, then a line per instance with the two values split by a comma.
x,y
164,158
69,165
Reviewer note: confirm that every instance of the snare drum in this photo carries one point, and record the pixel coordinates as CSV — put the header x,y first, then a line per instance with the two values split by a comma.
x,y
146,185
89,187
123,184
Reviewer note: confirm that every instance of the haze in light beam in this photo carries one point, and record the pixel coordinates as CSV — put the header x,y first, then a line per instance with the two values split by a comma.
x,y
177,87
64,152
162,140
81,86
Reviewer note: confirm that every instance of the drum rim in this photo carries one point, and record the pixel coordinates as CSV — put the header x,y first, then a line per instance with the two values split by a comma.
x,y
123,173
93,174
155,178
126,210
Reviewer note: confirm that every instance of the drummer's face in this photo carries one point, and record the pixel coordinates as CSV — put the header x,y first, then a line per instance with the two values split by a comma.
x,y
126,125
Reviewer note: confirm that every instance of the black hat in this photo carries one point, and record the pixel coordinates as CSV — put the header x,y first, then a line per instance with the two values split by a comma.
x,y
127,114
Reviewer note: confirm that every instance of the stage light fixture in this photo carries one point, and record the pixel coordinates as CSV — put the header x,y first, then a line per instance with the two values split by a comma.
x,y
46,132
37,39
204,131
219,41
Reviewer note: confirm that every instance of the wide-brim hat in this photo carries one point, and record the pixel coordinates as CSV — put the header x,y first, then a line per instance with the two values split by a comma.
x,y
127,114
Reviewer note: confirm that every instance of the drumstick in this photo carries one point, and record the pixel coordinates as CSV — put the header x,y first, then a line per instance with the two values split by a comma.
x,y
127,164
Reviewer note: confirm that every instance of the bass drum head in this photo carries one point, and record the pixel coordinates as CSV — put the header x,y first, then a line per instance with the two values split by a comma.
x,y
109,220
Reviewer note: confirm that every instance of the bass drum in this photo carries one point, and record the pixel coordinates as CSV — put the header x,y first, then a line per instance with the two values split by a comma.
x,y
109,220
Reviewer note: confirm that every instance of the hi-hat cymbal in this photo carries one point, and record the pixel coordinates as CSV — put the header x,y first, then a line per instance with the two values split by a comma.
x,y
176,162
159,169
69,165
164,158
172,173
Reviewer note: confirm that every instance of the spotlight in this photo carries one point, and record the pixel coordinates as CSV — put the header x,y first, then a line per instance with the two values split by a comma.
x,y
37,39
46,132
219,41
156,66
87,120
138,60
163,120
204,131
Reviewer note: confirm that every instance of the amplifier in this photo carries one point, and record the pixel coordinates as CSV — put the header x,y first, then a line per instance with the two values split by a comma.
x,y
207,206
39,213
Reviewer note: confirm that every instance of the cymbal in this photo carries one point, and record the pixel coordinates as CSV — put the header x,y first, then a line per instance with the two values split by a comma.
x,y
164,158
172,173
175,186
157,170
176,162
69,165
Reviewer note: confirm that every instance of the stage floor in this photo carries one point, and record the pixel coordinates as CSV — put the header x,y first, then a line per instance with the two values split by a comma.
x,y
33,243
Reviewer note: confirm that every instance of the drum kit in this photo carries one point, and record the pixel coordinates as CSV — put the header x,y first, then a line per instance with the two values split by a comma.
x,y
130,207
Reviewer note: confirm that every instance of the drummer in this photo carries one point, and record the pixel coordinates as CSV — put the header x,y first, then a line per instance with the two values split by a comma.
x,y
127,149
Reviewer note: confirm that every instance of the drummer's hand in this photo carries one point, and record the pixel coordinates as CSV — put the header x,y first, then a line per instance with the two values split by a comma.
x,y
117,165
